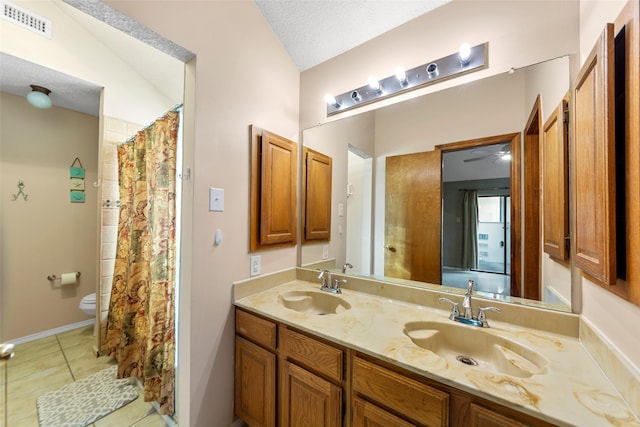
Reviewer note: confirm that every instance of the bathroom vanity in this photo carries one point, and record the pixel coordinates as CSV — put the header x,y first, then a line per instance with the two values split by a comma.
x,y
386,354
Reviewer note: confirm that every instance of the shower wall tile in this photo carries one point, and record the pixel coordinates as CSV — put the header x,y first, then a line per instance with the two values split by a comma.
x,y
106,267
109,234
110,217
105,285
108,251
109,170
110,190
115,125
109,154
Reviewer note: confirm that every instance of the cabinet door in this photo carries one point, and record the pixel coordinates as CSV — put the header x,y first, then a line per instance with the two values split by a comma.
x,y
425,405
307,400
255,384
555,183
593,158
317,195
279,188
482,417
367,414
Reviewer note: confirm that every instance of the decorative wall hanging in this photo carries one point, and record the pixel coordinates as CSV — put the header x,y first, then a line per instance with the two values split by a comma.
x,y
20,192
76,182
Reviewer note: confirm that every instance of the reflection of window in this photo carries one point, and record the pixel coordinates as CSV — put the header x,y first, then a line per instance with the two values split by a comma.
x,y
490,209
483,236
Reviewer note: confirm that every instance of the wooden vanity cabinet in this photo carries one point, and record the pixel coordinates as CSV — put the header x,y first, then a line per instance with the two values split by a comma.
x,y
255,370
386,395
286,378
289,378
311,380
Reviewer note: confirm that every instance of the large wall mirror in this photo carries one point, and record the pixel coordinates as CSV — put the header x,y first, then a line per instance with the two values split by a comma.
x,y
473,127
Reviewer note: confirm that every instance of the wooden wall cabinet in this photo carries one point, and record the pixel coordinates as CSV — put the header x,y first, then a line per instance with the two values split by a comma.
x,y
274,203
316,196
555,183
594,164
605,155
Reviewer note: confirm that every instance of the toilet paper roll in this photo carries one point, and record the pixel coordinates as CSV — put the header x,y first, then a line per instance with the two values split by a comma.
x,y
69,278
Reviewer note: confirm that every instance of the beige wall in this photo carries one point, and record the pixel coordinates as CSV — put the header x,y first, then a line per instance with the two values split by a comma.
x,y
46,234
242,76
613,317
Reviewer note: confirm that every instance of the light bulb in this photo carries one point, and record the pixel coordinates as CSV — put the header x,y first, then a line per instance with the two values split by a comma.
x,y
331,100
506,156
401,75
375,84
465,53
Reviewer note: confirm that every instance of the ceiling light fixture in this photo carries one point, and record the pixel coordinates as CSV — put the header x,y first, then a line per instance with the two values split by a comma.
x,y
39,97
467,60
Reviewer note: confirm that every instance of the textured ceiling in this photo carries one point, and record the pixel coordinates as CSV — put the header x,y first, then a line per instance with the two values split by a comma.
x,y
317,30
312,31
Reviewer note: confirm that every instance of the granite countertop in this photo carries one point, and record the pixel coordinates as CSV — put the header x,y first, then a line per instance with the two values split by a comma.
x,y
565,387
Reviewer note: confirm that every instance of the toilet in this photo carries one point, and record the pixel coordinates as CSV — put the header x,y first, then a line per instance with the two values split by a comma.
x,y
88,304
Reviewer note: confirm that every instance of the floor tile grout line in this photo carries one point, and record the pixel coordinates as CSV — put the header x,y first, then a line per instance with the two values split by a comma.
x,y
65,358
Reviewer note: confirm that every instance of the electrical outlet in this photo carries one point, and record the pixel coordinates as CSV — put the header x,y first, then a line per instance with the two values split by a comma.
x,y
325,252
255,265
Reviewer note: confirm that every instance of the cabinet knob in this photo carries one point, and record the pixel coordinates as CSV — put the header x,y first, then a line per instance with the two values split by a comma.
x,y
390,248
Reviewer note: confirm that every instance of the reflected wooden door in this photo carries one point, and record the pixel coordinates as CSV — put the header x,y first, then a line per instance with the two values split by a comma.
x,y
413,216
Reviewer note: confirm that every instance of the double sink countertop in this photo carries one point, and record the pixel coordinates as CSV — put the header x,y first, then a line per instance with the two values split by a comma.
x,y
536,363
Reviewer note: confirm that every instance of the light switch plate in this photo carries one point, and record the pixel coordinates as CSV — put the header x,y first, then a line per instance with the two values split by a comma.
x,y
325,252
255,265
340,209
216,199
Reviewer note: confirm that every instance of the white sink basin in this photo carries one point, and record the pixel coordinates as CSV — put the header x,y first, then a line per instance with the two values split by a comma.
x,y
476,348
320,303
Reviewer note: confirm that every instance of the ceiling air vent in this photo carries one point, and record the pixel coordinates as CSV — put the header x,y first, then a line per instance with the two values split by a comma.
x,y
26,19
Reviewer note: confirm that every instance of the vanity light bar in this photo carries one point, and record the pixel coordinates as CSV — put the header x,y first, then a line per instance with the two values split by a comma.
x,y
432,72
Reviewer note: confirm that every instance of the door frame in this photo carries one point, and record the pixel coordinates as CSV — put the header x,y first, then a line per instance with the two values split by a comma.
x,y
514,140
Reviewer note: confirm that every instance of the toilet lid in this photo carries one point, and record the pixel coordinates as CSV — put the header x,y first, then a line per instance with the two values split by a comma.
x,y
91,298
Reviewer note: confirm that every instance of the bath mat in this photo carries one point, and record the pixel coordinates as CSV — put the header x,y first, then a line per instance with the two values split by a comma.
x,y
85,401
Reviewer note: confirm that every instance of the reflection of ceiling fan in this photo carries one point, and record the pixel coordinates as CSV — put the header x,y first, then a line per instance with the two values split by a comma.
x,y
503,152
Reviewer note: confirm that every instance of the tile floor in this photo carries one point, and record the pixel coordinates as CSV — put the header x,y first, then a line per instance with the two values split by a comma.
x,y
49,363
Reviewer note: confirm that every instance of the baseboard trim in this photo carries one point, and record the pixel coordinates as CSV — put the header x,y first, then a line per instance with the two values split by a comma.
x,y
51,332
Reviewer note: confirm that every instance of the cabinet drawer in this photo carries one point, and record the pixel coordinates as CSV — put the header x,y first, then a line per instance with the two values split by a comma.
x,y
419,402
322,358
258,330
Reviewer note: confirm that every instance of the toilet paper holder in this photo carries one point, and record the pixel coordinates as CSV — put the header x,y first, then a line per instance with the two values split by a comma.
x,y
53,277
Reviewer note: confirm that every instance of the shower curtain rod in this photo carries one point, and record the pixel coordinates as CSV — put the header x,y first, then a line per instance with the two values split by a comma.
x,y
176,108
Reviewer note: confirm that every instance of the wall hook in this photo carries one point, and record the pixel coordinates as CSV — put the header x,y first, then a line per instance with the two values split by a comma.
x,y
20,192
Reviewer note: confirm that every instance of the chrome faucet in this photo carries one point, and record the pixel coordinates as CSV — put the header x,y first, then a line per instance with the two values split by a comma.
x,y
467,316
466,302
329,284
345,266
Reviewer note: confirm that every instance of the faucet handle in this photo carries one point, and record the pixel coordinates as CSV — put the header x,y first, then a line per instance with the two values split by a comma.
x,y
482,317
455,311
336,285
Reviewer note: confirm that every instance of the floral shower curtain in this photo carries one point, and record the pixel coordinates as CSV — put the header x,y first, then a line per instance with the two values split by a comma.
x,y
140,324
